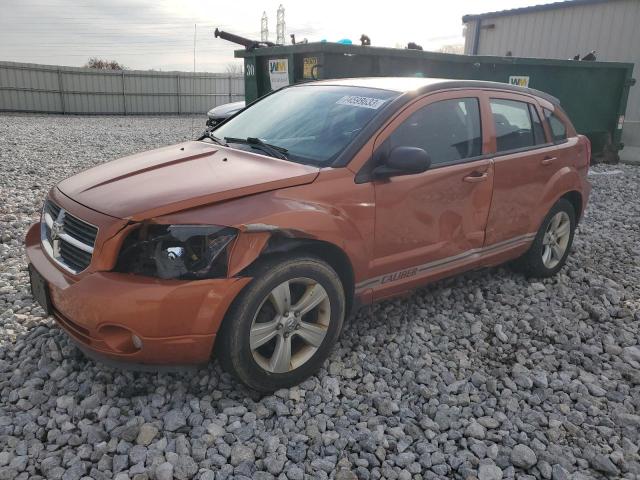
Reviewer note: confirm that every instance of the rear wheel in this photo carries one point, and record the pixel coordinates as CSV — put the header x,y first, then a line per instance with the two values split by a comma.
x,y
550,249
282,327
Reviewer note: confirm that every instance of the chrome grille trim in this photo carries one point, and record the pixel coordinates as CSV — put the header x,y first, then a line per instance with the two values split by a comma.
x,y
61,233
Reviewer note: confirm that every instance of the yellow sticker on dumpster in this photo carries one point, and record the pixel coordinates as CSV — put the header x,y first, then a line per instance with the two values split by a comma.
x,y
278,73
519,80
308,68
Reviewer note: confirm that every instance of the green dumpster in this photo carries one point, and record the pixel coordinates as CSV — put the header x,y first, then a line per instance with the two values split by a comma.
x,y
594,94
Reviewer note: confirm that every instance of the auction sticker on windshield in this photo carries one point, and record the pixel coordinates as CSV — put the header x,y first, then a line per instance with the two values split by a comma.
x,y
358,101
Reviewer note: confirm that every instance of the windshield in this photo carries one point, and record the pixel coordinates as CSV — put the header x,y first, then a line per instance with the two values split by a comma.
x,y
314,123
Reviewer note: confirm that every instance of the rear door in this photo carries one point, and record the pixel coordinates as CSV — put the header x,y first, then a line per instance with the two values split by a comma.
x,y
525,161
426,221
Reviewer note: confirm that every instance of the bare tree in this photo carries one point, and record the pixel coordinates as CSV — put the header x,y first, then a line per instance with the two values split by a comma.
x,y
100,64
234,68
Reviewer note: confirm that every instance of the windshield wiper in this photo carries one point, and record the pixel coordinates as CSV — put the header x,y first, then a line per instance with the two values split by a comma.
x,y
273,150
209,134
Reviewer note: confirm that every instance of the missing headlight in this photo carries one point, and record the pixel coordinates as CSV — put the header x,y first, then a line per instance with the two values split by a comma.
x,y
176,251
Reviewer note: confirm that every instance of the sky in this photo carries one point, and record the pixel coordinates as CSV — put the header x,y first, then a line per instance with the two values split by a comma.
x,y
159,34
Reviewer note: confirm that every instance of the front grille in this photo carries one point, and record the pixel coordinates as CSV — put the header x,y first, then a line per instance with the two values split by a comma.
x,y
74,257
80,230
66,238
52,209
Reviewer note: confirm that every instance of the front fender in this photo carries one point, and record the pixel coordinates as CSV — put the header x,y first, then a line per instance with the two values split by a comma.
x,y
300,220
333,210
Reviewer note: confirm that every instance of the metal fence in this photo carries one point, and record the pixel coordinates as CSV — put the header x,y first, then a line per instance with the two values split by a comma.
x,y
27,87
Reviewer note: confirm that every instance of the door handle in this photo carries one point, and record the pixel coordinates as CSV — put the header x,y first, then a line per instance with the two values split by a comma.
x,y
476,177
548,160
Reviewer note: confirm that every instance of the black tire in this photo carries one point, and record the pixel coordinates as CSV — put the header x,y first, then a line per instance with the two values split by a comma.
x,y
233,343
531,264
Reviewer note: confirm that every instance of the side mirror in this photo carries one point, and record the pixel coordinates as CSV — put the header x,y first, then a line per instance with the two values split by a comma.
x,y
403,161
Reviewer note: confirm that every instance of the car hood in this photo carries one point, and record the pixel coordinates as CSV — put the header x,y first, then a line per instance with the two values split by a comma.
x,y
179,177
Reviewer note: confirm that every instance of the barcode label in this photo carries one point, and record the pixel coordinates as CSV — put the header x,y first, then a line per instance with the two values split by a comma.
x,y
357,101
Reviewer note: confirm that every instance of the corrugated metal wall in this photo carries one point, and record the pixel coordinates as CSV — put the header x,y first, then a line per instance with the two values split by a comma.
x,y
611,28
26,87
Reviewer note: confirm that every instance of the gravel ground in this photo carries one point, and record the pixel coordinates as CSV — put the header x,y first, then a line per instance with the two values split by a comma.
x,y
486,375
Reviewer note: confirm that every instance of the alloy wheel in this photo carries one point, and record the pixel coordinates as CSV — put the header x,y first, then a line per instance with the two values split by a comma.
x,y
556,239
290,325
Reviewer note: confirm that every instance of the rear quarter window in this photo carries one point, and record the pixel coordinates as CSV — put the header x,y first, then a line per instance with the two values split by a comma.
x,y
558,128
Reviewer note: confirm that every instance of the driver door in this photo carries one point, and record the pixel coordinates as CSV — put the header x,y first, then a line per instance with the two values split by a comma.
x,y
432,222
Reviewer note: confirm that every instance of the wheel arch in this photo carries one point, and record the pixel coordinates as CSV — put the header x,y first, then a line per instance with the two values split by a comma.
x,y
565,183
280,245
575,198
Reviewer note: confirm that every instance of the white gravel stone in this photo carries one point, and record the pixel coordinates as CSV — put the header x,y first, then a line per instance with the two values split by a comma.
x,y
216,430
146,434
522,456
164,471
489,472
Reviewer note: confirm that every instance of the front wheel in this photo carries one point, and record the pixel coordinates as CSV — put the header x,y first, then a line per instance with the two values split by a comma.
x,y
550,249
282,327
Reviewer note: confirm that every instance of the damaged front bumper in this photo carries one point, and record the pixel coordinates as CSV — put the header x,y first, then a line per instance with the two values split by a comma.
x,y
136,319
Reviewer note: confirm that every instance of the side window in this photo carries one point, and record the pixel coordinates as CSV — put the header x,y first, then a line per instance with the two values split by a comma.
x,y
538,130
558,128
448,130
513,124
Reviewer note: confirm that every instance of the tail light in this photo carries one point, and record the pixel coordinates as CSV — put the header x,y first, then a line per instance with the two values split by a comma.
x,y
584,145
588,145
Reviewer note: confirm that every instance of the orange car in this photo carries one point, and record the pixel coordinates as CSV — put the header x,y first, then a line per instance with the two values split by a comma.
x,y
261,236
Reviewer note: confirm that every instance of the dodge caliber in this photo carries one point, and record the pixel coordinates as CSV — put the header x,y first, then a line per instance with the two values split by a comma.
x,y
253,243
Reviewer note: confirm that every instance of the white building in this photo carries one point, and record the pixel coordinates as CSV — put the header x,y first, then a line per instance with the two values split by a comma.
x,y
563,30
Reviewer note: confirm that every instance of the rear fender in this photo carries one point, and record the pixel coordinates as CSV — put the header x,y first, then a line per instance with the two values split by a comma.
x,y
565,180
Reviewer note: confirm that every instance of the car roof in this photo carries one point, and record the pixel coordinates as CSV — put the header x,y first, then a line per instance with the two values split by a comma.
x,y
424,85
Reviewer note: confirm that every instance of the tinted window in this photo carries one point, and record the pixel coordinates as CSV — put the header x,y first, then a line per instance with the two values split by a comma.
x,y
513,124
314,123
448,130
558,129
538,130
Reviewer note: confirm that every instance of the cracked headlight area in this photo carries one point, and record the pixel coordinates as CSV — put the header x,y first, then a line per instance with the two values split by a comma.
x,y
188,252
